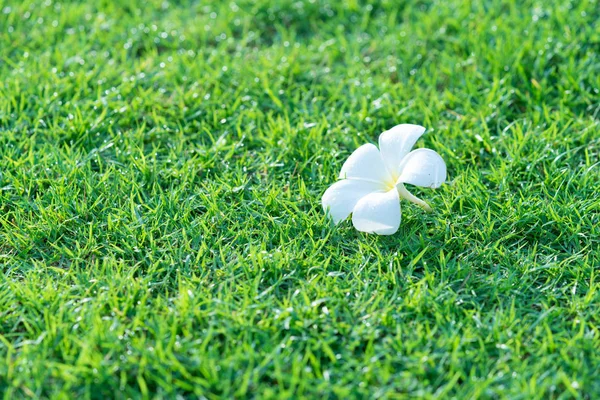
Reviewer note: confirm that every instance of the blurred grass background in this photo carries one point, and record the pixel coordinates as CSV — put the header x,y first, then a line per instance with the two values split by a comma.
x,y
161,169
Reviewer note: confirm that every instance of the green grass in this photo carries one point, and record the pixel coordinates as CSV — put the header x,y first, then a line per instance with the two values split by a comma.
x,y
161,170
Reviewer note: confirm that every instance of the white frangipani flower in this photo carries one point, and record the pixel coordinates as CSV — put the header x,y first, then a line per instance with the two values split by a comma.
x,y
373,180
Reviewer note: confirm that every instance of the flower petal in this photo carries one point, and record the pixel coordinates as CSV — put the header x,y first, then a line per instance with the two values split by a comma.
x,y
378,213
423,167
396,143
342,196
365,163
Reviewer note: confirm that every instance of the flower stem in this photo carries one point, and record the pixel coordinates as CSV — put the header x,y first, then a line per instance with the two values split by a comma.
x,y
405,194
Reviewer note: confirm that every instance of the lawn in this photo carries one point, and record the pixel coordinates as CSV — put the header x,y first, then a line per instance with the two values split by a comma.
x,y
161,174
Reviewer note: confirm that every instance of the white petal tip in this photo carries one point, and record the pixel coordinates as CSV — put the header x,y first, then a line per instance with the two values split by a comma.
x,y
409,128
384,231
341,197
378,213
